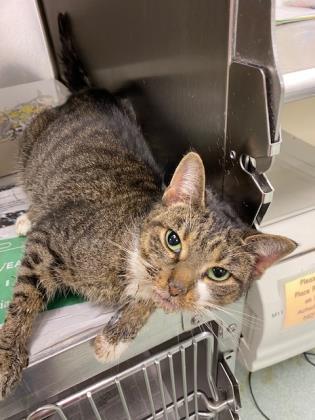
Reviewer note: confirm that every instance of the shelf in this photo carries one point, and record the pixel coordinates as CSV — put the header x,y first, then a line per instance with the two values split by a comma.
x,y
296,59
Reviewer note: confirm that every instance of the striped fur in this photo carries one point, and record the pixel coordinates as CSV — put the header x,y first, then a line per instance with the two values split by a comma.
x,y
99,218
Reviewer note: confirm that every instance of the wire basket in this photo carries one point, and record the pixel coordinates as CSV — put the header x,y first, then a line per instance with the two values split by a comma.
x,y
175,384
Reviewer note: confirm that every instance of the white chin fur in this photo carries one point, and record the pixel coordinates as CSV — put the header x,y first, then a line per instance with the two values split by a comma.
x,y
22,225
106,352
139,286
204,293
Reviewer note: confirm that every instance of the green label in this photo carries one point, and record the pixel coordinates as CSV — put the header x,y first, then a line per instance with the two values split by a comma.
x,y
11,253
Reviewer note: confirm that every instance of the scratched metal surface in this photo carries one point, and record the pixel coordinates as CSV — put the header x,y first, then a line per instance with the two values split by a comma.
x,y
172,56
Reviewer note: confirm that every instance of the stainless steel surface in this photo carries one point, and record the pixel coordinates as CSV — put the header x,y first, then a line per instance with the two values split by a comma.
x,y
248,102
93,406
59,372
123,399
173,58
195,401
229,385
228,338
255,44
48,378
254,98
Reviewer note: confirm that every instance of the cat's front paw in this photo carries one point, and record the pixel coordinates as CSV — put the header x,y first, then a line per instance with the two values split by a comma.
x,y
106,352
11,365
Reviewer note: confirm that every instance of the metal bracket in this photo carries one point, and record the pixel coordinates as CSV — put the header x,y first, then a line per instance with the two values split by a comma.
x,y
254,97
228,385
250,148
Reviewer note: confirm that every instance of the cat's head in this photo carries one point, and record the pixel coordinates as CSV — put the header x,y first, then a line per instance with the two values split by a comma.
x,y
190,254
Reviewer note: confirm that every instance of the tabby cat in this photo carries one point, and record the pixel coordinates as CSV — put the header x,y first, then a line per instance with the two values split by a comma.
x,y
102,225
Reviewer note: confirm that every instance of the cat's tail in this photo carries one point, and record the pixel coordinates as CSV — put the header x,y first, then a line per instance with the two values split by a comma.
x,y
74,75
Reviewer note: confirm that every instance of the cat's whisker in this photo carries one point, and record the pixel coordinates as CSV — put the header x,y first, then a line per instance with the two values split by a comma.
x,y
209,309
251,323
210,328
216,318
240,305
230,311
234,338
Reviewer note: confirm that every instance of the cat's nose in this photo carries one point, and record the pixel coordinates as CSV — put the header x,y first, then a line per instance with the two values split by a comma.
x,y
176,288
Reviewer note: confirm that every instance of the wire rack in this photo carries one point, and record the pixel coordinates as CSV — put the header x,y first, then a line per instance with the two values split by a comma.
x,y
175,384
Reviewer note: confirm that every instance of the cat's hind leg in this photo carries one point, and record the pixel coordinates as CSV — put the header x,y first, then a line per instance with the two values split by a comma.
x,y
35,286
121,329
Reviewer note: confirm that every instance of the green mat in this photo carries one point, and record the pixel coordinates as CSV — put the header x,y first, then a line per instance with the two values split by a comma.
x,y
11,253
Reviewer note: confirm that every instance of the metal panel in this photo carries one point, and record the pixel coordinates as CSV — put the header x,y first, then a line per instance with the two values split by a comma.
x,y
249,147
172,55
254,96
255,44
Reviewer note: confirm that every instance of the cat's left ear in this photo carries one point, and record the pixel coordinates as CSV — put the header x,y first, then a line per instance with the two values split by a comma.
x,y
268,249
188,182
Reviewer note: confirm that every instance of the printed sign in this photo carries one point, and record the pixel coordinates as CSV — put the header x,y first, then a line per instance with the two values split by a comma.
x,y
299,300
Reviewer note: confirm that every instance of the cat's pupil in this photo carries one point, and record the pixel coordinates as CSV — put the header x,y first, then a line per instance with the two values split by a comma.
x,y
219,272
173,239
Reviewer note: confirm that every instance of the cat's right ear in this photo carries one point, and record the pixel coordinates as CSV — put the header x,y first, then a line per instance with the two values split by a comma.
x,y
188,182
268,249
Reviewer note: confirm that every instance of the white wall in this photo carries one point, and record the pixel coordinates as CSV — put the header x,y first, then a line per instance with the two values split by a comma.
x,y
23,52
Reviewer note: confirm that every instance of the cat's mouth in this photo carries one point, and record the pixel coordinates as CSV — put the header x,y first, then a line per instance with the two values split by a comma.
x,y
165,301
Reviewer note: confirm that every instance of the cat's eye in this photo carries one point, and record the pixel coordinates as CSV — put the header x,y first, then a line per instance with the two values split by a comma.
x,y
218,274
173,242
